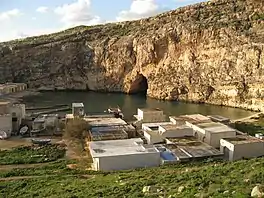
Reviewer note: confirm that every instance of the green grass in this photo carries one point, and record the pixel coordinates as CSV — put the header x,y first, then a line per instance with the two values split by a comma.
x,y
215,179
250,127
31,154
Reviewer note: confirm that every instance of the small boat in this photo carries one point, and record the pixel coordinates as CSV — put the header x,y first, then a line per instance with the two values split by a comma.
x,y
3,135
36,131
24,130
116,111
41,141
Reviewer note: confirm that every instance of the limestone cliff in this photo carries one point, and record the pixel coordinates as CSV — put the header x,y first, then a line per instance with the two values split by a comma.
x,y
210,52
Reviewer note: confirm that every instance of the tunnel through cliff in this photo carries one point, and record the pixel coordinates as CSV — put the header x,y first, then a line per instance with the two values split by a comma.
x,y
139,86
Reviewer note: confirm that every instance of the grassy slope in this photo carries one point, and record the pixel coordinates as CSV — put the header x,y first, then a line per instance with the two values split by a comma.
x,y
200,179
250,127
29,155
214,179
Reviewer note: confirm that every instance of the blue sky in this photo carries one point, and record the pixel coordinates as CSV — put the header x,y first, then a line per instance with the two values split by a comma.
x,y
22,18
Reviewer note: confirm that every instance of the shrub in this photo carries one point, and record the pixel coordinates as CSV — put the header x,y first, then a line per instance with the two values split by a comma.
x,y
76,128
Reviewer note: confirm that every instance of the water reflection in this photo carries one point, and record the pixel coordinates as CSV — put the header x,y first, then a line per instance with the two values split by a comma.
x,y
98,102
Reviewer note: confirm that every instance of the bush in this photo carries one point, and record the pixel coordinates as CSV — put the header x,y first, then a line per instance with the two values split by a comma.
x,y
76,128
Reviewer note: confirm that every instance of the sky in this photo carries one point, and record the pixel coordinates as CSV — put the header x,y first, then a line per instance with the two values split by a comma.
x,y
23,18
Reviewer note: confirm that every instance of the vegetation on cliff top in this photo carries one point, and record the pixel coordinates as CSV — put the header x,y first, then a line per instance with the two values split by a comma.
x,y
216,14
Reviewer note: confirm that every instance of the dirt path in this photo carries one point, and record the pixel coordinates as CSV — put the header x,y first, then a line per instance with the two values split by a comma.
x,y
247,119
13,166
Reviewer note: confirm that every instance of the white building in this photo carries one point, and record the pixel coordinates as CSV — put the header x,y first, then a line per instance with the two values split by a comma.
x,y
5,108
6,124
173,130
18,112
52,120
212,132
194,118
218,118
105,122
151,132
153,137
242,147
78,109
123,154
150,115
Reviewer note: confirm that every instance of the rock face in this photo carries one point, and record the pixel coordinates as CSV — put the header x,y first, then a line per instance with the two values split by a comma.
x,y
210,52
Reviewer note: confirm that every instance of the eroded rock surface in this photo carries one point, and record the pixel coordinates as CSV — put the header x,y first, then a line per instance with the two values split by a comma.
x,y
210,52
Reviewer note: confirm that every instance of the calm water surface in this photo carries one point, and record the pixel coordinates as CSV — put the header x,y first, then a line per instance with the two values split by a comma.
x,y
98,102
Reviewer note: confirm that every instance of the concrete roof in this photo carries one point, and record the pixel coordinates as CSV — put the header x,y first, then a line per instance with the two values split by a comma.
x,y
173,126
190,147
119,147
127,127
4,103
77,105
215,127
155,124
15,83
109,135
195,118
39,119
150,109
198,117
95,122
243,139
218,118
69,116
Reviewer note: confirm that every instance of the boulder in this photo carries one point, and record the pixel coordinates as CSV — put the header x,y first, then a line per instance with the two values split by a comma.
x,y
258,191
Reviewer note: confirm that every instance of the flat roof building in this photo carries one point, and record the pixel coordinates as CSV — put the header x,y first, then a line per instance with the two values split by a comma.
x,y
195,118
104,122
151,132
186,149
218,118
78,109
6,124
5,107
108,135
173,130
8,88
212,132
150,115
242,146
129,129
123,154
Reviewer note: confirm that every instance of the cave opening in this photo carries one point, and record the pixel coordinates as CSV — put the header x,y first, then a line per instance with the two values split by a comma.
x,y
139,86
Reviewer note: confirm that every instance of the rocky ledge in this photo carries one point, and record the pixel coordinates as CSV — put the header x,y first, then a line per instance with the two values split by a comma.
x,y
210,52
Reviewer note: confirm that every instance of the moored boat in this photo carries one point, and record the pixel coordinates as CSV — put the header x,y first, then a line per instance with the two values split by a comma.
x,y
41,141
24,130
116,111
3,135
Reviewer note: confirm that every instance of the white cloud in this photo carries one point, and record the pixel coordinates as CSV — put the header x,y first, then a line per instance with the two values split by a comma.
x,y
10,14
42,9
18,34
139,9
77,13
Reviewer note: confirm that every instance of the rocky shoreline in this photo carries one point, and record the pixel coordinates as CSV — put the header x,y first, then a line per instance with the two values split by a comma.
x,y
18,96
